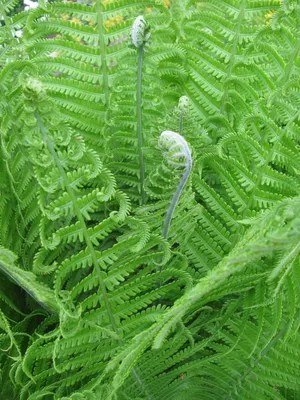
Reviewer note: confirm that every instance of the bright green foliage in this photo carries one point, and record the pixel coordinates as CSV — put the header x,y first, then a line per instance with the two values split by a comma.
x,y
97,299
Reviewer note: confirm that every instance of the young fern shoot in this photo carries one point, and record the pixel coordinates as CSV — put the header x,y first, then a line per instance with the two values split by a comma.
x,y
183,105
139,36
177,152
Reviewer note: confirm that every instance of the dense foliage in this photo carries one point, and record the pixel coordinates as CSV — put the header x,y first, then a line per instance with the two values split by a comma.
x,y
136,264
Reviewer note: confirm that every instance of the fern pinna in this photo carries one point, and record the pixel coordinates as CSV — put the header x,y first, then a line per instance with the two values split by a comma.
x,y
150,200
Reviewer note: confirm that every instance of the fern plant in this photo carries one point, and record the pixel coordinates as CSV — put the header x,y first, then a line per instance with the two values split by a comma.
x,y
149,209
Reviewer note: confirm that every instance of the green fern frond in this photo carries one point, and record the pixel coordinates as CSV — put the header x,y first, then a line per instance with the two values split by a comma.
x,y
206,309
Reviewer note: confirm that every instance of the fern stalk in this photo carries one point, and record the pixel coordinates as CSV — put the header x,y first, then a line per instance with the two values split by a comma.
x,y
175,199
291,63
139,122
140,35
101,43
233,52
183,105
181,123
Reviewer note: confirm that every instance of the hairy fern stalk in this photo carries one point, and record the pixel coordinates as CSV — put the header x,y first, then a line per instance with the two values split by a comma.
x,y
150,200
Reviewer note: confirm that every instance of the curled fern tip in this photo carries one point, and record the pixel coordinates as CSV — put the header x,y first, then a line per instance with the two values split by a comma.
x,y
176,149
139,32
183,104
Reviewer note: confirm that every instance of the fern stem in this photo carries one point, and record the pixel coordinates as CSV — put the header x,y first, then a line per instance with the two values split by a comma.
x,y
139,122
175,200
233,52
81,220
101,43
180,123
290,65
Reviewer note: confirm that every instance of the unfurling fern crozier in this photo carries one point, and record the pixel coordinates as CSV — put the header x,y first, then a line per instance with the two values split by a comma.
x,y
178,154
140,32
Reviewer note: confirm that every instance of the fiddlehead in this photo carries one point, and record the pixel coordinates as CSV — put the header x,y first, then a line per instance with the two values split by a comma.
x,y
178,154
140,32
183,105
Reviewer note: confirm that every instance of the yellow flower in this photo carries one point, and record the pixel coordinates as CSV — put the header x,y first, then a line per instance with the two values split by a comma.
x,y
76,20
113,21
